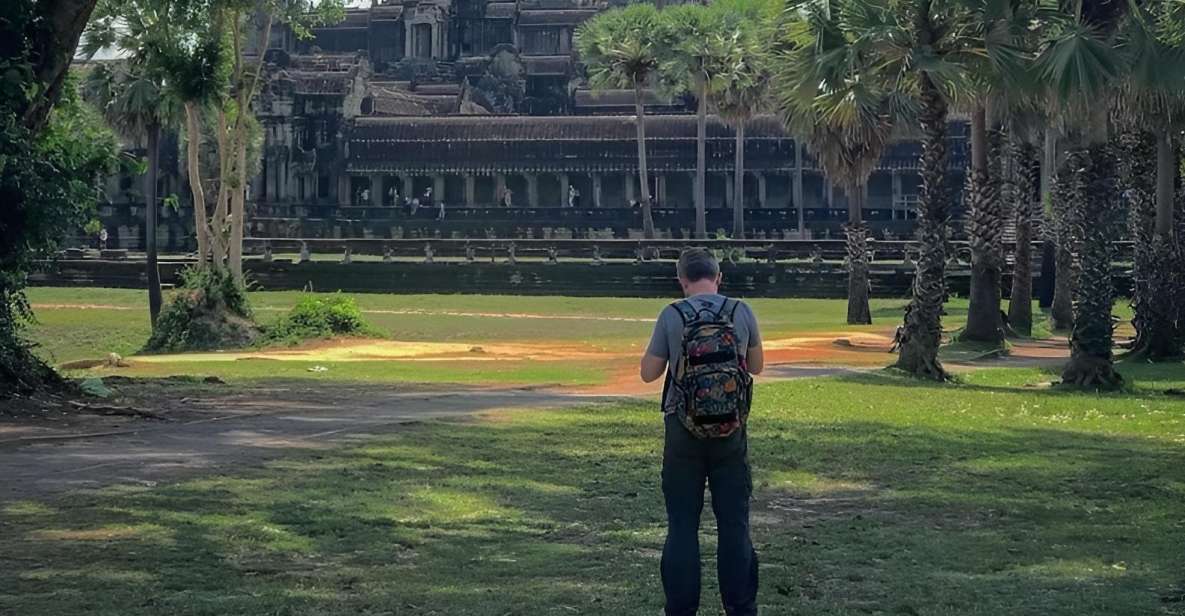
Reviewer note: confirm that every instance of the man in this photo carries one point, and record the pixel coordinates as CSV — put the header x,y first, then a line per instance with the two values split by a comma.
x,y
689,461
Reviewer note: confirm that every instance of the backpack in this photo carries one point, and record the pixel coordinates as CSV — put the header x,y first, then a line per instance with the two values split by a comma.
x,y
711,389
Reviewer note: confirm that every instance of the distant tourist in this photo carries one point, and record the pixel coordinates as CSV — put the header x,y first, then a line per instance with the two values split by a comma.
x,y
415,206
507,198
365,200
102,239
440,209
573,197
427,201
393,196
708,345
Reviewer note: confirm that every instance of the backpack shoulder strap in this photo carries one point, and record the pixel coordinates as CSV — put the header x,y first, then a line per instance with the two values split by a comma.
x,y
686,311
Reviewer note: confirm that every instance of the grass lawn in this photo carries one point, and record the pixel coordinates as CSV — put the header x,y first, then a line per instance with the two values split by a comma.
x,y
874,495
82,323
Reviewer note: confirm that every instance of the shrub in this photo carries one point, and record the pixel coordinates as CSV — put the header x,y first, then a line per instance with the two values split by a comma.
x,y
209,311
320,317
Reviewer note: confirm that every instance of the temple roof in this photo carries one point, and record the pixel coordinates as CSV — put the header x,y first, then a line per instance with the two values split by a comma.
x,y
501,10
570,17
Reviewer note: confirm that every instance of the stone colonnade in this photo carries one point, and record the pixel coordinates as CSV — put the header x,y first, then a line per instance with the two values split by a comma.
x,y
594,189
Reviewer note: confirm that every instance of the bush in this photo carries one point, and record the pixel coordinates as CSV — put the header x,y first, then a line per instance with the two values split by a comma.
x,y
209,311
320,317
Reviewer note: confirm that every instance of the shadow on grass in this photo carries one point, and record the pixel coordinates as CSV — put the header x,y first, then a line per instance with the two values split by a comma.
x,y
885,510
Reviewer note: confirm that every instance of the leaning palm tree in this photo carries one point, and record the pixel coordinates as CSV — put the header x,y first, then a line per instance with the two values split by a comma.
x,y
618,50
130,94
922,47
825,97
1023,191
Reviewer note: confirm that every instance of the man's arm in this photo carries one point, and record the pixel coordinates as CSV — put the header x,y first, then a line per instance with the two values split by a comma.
x,y
755,359
755,354
652,367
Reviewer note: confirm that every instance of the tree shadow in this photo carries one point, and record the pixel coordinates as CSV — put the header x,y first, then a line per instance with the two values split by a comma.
x,y
562,513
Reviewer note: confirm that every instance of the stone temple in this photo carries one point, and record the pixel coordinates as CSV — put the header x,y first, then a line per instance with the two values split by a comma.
x,y
482,106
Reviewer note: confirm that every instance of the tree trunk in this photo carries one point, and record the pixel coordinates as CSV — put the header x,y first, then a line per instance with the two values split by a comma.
x,y
921,334
150,214
985,226
238,209
1025,191
201,221
1062,195
738,184
53,41
1095,223
643,175
701,163
856,233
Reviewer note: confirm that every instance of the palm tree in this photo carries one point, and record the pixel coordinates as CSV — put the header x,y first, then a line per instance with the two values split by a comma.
x,y
1023,190
1151,106
740,89
689,50
825,96
1080,65
130,93
618,50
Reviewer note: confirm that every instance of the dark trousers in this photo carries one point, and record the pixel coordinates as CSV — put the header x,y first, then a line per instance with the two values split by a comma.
x,y
724,463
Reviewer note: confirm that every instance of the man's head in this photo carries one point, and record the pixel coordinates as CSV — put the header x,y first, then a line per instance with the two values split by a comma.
x,y
698,271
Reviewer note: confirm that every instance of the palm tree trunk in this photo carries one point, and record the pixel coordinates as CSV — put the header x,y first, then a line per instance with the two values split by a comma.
x,y
238,210
150,214
920,335
643,174
985,228
701,162
856,233
1138,175
1095,223
193,166
1026,188
1153,294
738,184
1061,197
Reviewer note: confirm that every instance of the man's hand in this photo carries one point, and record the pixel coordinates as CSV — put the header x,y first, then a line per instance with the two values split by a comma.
x,y
652,367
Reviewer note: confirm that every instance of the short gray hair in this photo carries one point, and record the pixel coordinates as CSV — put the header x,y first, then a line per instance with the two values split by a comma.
x,y
696,264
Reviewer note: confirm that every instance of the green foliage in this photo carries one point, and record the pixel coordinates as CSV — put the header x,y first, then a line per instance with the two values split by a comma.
x,y
619,47
209,311
316,317
49,183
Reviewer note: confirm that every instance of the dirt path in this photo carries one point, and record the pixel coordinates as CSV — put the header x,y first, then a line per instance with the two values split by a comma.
x,y
233,427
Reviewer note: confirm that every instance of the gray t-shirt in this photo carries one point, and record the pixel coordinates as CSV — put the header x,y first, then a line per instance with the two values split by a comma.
x,y
667,340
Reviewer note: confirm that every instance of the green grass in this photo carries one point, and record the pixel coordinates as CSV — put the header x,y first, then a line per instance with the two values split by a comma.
x,y
874,495
67,334
521,372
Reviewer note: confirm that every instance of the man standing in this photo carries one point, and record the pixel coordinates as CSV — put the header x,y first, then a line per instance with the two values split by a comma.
x,y
706,434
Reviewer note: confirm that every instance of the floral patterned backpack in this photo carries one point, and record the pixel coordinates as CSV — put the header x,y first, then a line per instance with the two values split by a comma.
x,y
711,389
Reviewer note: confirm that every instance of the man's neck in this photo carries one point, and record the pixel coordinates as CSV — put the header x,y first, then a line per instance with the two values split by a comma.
x,y
702,288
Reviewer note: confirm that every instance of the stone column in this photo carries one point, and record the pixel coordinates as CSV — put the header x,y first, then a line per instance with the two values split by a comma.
x,y
565,183
405,186
661,190
436,40
596,190
729,185
897,194
630,191
343,190
796,188
761,189
470,190
377,196
437,188
532,189
499,188
407,39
